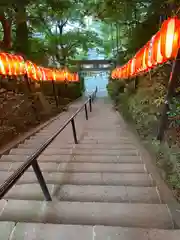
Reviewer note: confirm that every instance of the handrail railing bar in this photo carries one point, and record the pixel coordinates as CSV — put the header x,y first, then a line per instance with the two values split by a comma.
x,y
9,183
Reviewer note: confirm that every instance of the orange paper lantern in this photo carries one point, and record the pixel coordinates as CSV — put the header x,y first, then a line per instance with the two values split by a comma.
x,y
148,56
157,57
31,70
170,38
132,68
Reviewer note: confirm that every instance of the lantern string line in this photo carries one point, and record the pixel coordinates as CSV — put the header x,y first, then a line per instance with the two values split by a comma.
x,y
15,65
161,48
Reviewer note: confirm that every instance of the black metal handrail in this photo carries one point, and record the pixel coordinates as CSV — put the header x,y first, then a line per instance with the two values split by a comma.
x,y
32,160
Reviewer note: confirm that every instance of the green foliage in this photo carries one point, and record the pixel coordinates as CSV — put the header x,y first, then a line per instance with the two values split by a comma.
x,y
174,113
114,88
142,107
56,28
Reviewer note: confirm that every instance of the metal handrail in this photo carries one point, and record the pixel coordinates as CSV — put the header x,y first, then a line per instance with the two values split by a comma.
x,y
32,160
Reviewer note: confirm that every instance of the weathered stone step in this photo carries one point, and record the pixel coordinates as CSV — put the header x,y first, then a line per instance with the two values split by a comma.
x,y
79,167
127,179
117,132
107,141
119,141
88,139
106,152
34,141
86,193
105,136
87,213
58,151
47,132
82,146
39,231
13,158
38,137
77,158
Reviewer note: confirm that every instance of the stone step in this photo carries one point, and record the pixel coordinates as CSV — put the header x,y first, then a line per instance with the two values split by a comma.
x,y
58,151
127,179
115,142
106,137
107,141
34,141
39,231
82,146
87,213
105,152
91,159
38,138
86,193
97,134
77,158
13,158
46,133
79,167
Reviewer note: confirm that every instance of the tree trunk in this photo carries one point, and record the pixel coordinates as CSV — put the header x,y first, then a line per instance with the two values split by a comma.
x,y
5,43
63,56
21,41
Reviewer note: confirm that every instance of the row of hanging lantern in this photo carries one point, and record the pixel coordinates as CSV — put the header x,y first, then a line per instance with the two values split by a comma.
x,y
15,65
163,46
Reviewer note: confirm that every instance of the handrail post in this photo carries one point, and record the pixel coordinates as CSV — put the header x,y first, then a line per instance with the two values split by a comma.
x,y
41,180
86,112
92,97
90,103
74,131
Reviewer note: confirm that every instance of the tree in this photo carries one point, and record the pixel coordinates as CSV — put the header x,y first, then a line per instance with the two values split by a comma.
x,y
128,19
49,29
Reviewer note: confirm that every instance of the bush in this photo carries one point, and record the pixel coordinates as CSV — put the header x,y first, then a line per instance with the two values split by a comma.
x,y
115,87
142,107
63,90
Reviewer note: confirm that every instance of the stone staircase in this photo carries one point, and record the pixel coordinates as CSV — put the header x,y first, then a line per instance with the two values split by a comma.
x,y
101,188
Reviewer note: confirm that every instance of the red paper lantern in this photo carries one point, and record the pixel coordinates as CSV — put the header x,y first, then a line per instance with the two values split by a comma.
x,y
170,38
58,75
124,71
128,69
148,56
139,60
6,64
76,77
144,65
47,74
39,73
157,57
19,65
132,68
15,65
3,64
31,70
54,75
112,74
43,74
119,72
11,60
